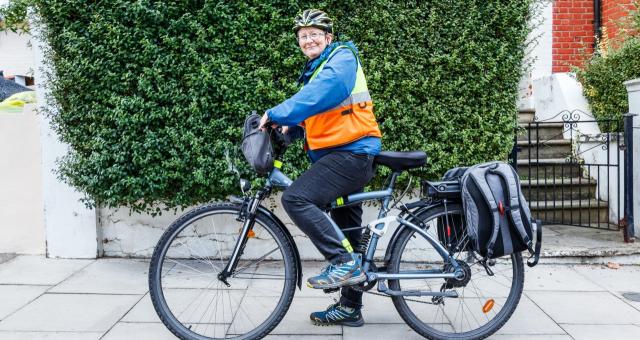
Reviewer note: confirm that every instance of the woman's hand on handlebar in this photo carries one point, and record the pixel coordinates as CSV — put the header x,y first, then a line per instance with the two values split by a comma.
x,y
264,122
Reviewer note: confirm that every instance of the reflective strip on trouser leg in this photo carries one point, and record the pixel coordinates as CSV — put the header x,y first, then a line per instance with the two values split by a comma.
x,y
343,239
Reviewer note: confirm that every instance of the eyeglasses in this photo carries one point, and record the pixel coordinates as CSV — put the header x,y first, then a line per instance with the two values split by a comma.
x,y
312,36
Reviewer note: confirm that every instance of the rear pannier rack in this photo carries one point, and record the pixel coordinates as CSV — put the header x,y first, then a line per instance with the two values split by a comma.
x,y
444,189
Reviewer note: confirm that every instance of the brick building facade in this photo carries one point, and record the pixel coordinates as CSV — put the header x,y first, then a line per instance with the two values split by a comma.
x,y
574,28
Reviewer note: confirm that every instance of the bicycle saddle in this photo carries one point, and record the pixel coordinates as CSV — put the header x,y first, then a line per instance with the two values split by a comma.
x,y
401,160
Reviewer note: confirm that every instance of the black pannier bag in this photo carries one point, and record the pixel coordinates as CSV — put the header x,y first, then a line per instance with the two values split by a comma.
x,y
256,146
497,215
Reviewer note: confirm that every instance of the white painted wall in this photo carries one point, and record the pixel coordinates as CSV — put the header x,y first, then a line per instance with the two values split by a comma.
x,y
21,215
594,149
560,95
538,53
71,228
127,234
633,90
16,54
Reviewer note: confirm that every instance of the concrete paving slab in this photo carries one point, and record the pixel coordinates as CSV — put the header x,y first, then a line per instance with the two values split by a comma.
x,y
253,311
618,281
14,297
526,315
108,276
5,335
557,278
595,308
586,245
127,331
369,331
4,257
529,337
625,279
598,332
297,319
38,270
70,312
303,337
142,312
378,309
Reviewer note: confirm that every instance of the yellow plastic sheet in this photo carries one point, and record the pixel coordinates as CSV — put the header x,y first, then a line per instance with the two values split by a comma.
x,y
15,102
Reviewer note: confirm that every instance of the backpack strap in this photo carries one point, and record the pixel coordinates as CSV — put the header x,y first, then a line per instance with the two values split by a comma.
x,y
479,177
538,223
513,195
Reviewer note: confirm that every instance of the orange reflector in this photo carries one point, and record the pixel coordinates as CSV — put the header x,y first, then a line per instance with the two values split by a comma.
x,y
488,306
250,234
501,208
448,231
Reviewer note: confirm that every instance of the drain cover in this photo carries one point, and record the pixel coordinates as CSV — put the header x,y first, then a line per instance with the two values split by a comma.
x,y
632,296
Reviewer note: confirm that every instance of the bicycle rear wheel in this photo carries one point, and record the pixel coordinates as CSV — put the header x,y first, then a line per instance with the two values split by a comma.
x,y
484,303
185,289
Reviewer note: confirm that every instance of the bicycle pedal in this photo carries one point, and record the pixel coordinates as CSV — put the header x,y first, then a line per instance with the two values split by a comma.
x,y
331,290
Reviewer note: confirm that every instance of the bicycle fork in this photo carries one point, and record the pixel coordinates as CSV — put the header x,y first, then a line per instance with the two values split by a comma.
x,y
249,210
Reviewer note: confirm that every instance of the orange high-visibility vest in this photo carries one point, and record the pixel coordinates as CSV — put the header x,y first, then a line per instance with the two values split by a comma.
x,y
349,121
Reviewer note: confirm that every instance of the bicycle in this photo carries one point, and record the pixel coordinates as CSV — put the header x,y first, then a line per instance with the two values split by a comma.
x,y
229,270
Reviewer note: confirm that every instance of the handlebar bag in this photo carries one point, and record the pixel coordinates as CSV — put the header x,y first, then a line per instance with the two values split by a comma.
x,y
256,146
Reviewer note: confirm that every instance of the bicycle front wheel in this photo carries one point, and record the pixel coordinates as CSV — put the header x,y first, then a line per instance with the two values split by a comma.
x,y
185,289
484,302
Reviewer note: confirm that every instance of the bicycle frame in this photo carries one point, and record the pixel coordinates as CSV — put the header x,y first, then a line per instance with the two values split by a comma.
x,y
277,179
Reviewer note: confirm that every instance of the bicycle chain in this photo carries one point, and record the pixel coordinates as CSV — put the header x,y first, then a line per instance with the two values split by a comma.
x,y
360,289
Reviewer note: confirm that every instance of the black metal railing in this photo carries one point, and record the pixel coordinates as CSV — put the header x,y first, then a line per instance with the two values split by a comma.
x,y
573,174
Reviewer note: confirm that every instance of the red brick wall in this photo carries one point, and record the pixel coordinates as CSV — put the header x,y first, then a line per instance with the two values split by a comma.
x,y
615,12
573,34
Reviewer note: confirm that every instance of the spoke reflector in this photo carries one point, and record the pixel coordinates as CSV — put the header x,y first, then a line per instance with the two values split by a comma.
x,y
488,306
250,234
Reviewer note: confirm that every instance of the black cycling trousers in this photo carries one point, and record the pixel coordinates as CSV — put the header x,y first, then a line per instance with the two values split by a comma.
x,y
337,174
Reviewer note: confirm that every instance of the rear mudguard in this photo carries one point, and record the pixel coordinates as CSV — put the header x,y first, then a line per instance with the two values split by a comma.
x,y
417,211
286,232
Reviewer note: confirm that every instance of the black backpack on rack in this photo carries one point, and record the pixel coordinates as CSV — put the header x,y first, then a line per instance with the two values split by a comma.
x,y
498,219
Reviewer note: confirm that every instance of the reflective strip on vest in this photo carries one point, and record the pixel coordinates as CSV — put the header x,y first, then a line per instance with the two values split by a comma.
x,y
347,122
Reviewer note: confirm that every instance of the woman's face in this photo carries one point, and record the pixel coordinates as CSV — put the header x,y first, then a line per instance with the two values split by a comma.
x,y
313,41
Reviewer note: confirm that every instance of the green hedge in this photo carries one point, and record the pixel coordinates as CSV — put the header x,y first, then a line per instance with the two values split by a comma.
x,y
602,78
151,95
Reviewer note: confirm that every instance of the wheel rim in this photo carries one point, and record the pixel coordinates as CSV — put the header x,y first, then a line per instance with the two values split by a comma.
x,y
201,306
484,303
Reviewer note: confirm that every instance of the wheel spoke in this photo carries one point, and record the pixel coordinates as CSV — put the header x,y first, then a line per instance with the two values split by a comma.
x,y
194,302
466,315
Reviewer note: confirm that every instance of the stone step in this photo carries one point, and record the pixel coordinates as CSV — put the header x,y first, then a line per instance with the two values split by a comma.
x,y
526,115
559,148
541,131
552,189
547,168
570,211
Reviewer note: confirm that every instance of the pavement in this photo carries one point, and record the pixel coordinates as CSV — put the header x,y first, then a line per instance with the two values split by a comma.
x,y
108,299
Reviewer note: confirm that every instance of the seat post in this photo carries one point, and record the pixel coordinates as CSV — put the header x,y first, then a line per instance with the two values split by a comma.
x,y
392,182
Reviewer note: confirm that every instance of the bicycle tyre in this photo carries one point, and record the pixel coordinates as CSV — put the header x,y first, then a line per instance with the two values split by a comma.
x,y
228,210
429,330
